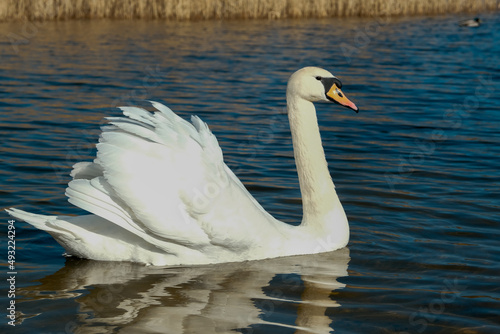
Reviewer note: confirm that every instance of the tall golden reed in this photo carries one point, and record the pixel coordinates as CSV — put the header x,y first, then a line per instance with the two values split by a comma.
x,y
230,9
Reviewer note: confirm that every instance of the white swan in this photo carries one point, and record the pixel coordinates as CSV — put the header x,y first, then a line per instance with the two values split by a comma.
x,y
160,193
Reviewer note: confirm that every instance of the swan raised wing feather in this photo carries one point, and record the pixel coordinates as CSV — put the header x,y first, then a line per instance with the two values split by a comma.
x,y
164,177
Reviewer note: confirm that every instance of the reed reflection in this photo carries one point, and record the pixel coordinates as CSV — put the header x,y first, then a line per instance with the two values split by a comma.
x,y
233,297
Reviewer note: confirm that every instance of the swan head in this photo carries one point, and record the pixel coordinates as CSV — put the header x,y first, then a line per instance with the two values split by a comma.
x,y
315,84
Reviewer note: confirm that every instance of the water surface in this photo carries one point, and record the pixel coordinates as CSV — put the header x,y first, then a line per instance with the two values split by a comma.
x,y
417,171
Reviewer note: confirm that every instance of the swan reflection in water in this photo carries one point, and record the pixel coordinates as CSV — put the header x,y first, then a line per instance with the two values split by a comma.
x,y
225,298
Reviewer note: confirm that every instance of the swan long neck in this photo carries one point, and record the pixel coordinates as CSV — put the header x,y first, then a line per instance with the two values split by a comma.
x,y
316,185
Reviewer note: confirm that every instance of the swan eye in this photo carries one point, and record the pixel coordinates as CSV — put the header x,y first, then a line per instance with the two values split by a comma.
x,y
319,78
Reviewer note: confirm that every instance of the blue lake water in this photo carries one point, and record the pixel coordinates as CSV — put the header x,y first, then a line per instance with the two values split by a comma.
x,y
417,171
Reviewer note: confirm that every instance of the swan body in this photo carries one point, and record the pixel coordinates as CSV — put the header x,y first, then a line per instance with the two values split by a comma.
x,y
160,193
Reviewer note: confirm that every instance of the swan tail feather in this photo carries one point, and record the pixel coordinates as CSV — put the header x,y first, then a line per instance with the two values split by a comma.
x,y
51,224
96,238
38,221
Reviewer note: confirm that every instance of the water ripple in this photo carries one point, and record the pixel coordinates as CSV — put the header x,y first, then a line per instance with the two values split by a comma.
x,y
417,169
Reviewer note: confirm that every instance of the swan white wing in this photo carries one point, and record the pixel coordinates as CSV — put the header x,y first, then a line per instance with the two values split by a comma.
x,y
164,179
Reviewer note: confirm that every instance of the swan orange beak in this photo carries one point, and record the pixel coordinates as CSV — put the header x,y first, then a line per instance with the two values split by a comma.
x,y
336,95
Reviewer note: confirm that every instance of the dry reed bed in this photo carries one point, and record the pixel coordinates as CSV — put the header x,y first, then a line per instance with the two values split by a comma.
x,y
230,9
